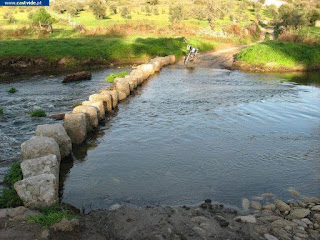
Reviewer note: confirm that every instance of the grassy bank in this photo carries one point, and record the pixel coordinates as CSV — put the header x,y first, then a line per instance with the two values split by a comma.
x,y
107,48
275,55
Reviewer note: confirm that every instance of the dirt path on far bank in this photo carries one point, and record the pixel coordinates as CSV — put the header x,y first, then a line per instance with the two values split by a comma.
x,y
216,59
223,59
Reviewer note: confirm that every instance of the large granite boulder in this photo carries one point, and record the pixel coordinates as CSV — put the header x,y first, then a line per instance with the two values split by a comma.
x,y
148,69
99,105
106,98
156,64
123,88
172,59
37,147
39,191
59,134
43,165
84,75
140,75
76,127
133,82
92,111
114,96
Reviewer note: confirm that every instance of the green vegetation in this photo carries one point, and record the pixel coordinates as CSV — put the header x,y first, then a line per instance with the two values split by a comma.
x,y
110,49
38,113
281,54
42,17
267,37
14,175
51,215
112,76
1,111
12,90
76,104
9,197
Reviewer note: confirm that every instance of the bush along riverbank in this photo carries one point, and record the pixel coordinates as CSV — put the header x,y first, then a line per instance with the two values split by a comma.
x,y
52,55
276,56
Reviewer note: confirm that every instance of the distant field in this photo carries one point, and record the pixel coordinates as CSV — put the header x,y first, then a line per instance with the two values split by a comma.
x,y
87,19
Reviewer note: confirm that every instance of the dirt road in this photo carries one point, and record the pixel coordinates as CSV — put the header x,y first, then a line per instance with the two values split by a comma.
x,y
223,59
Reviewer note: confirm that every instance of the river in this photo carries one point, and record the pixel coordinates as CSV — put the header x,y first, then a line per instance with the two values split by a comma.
x,y
184,136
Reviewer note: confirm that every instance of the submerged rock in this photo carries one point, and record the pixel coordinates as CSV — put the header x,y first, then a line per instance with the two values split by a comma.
x,y
298,213
245,204
84,75
282,206
247,219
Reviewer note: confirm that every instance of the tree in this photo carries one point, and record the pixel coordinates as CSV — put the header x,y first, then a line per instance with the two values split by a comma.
x,y
175,13
273,10
98,8
217,9
125,12
42,17
113,9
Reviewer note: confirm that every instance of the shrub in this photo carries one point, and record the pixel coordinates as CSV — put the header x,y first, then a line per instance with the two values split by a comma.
x,y
175,14
9,197
14,175
98,8
12,90
267,37
112,76
125,12
42,16
1,111
51,215
38,113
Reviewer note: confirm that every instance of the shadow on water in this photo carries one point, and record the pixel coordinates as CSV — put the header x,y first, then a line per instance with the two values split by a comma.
x,y
307,78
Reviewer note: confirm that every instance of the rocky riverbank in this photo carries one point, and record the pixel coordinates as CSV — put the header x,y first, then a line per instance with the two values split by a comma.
x,y
262,218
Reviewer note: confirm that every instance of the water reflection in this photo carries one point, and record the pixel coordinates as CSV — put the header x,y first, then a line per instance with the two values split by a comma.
x,y
308,78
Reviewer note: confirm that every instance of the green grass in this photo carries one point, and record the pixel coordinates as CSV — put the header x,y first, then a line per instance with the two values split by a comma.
x,y
267,37
282,54
12,90
112,76
110,49
1,111
14,175
38,113
9,197
51,215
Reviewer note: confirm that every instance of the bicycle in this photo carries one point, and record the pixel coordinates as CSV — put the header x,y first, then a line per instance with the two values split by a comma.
x,y
191,55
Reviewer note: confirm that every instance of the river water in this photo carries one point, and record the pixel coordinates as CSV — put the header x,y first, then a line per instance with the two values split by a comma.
x,y
184,136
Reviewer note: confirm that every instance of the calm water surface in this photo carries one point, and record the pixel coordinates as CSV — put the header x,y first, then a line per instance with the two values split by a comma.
x,y
188,135
184,136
